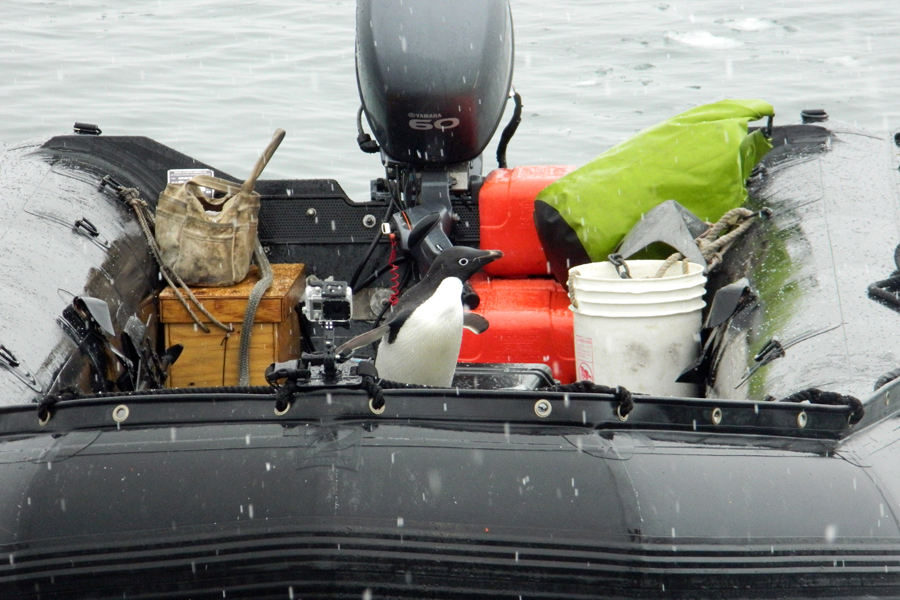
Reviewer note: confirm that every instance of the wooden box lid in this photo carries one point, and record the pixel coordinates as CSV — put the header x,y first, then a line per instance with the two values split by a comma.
x,y
229,303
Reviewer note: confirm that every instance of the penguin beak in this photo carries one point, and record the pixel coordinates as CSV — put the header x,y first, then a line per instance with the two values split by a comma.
x,y
488,256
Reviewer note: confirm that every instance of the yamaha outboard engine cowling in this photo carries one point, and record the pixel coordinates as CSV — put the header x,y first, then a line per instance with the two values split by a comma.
x,y
434,94
434,77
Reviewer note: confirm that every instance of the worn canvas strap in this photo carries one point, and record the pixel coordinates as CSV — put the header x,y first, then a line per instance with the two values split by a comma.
x,y
264,159
230,189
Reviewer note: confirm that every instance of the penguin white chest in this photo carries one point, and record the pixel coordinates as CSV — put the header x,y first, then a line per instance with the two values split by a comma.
x,y
427,345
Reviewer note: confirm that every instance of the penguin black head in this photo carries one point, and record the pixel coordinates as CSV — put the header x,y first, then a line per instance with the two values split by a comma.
x,y
461,262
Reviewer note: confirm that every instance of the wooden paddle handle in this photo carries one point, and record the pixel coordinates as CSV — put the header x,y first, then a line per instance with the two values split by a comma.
x,y
263,161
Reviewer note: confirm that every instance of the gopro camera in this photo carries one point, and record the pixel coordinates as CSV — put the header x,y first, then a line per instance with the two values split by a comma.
x,y
328,301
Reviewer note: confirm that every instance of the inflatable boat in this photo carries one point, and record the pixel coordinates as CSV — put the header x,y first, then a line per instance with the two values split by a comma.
x,y
777,477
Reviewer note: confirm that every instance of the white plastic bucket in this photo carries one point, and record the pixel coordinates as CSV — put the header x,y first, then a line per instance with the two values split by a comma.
x,y
640,333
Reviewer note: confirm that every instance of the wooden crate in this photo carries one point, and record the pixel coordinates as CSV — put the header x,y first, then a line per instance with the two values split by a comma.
x,y
211,359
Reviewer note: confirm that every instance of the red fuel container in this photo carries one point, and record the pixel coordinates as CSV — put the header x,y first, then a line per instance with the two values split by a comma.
x,y
530,322
506,211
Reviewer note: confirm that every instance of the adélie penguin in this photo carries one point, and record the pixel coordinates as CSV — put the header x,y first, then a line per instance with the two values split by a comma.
x,y
420,342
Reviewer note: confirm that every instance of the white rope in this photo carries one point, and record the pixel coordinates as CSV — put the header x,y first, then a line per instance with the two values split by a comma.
x,y
712,247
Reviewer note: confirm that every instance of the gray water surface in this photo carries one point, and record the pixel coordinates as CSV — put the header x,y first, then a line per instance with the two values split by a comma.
x,y
213,79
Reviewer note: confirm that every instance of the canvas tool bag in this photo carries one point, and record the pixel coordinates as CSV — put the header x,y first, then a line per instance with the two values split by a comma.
x,y
209,241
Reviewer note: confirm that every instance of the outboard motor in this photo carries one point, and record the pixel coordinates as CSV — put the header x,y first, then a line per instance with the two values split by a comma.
x,y
433,97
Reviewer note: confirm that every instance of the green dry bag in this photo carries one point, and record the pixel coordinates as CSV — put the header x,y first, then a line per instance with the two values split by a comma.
x,y
700,158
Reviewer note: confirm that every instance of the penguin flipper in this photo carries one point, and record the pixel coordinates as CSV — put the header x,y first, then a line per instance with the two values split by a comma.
x,y
363,339
475,322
